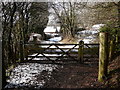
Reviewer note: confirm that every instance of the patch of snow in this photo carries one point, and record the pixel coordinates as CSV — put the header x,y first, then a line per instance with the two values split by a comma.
x,y
65,46
33,54
88,32
68,46
53,34
32,35
55,39
88,36
52,29
47,42
97,26
25,75
86,40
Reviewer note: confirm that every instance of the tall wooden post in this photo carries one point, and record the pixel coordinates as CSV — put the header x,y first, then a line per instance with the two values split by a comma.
x,y
103,56
80,51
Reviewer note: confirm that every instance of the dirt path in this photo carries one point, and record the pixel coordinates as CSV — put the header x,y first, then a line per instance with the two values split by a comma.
x,y
75,76
78,76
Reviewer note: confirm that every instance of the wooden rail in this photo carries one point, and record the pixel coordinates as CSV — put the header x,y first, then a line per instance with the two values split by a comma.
x,y
60,52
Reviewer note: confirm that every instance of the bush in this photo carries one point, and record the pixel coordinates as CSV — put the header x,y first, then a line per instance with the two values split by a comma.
x,y
111,29
113,33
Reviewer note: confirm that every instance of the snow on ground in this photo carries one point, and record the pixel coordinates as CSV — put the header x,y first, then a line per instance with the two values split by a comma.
x,y
47,42
88,36
25,75
52,29
53,34
55,39
88,32
97,26
89,39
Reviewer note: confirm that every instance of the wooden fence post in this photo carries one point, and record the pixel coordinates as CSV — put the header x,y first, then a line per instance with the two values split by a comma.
x,y
103,56
80,51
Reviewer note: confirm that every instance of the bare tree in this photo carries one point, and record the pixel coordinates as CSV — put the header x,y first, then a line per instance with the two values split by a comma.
x,y
38,17
16,22
67,13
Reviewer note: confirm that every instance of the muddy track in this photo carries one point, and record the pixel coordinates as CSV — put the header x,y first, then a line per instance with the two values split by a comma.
x,y
75,76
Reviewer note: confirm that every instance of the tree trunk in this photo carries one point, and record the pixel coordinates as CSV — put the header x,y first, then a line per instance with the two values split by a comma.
x,y
111,50
119,20
21,51
10,32
3,61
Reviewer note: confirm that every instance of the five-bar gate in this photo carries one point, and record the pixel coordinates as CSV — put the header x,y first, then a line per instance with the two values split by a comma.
x,y
51,53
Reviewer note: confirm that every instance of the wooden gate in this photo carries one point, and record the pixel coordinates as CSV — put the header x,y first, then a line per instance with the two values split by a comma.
x,y
51,53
